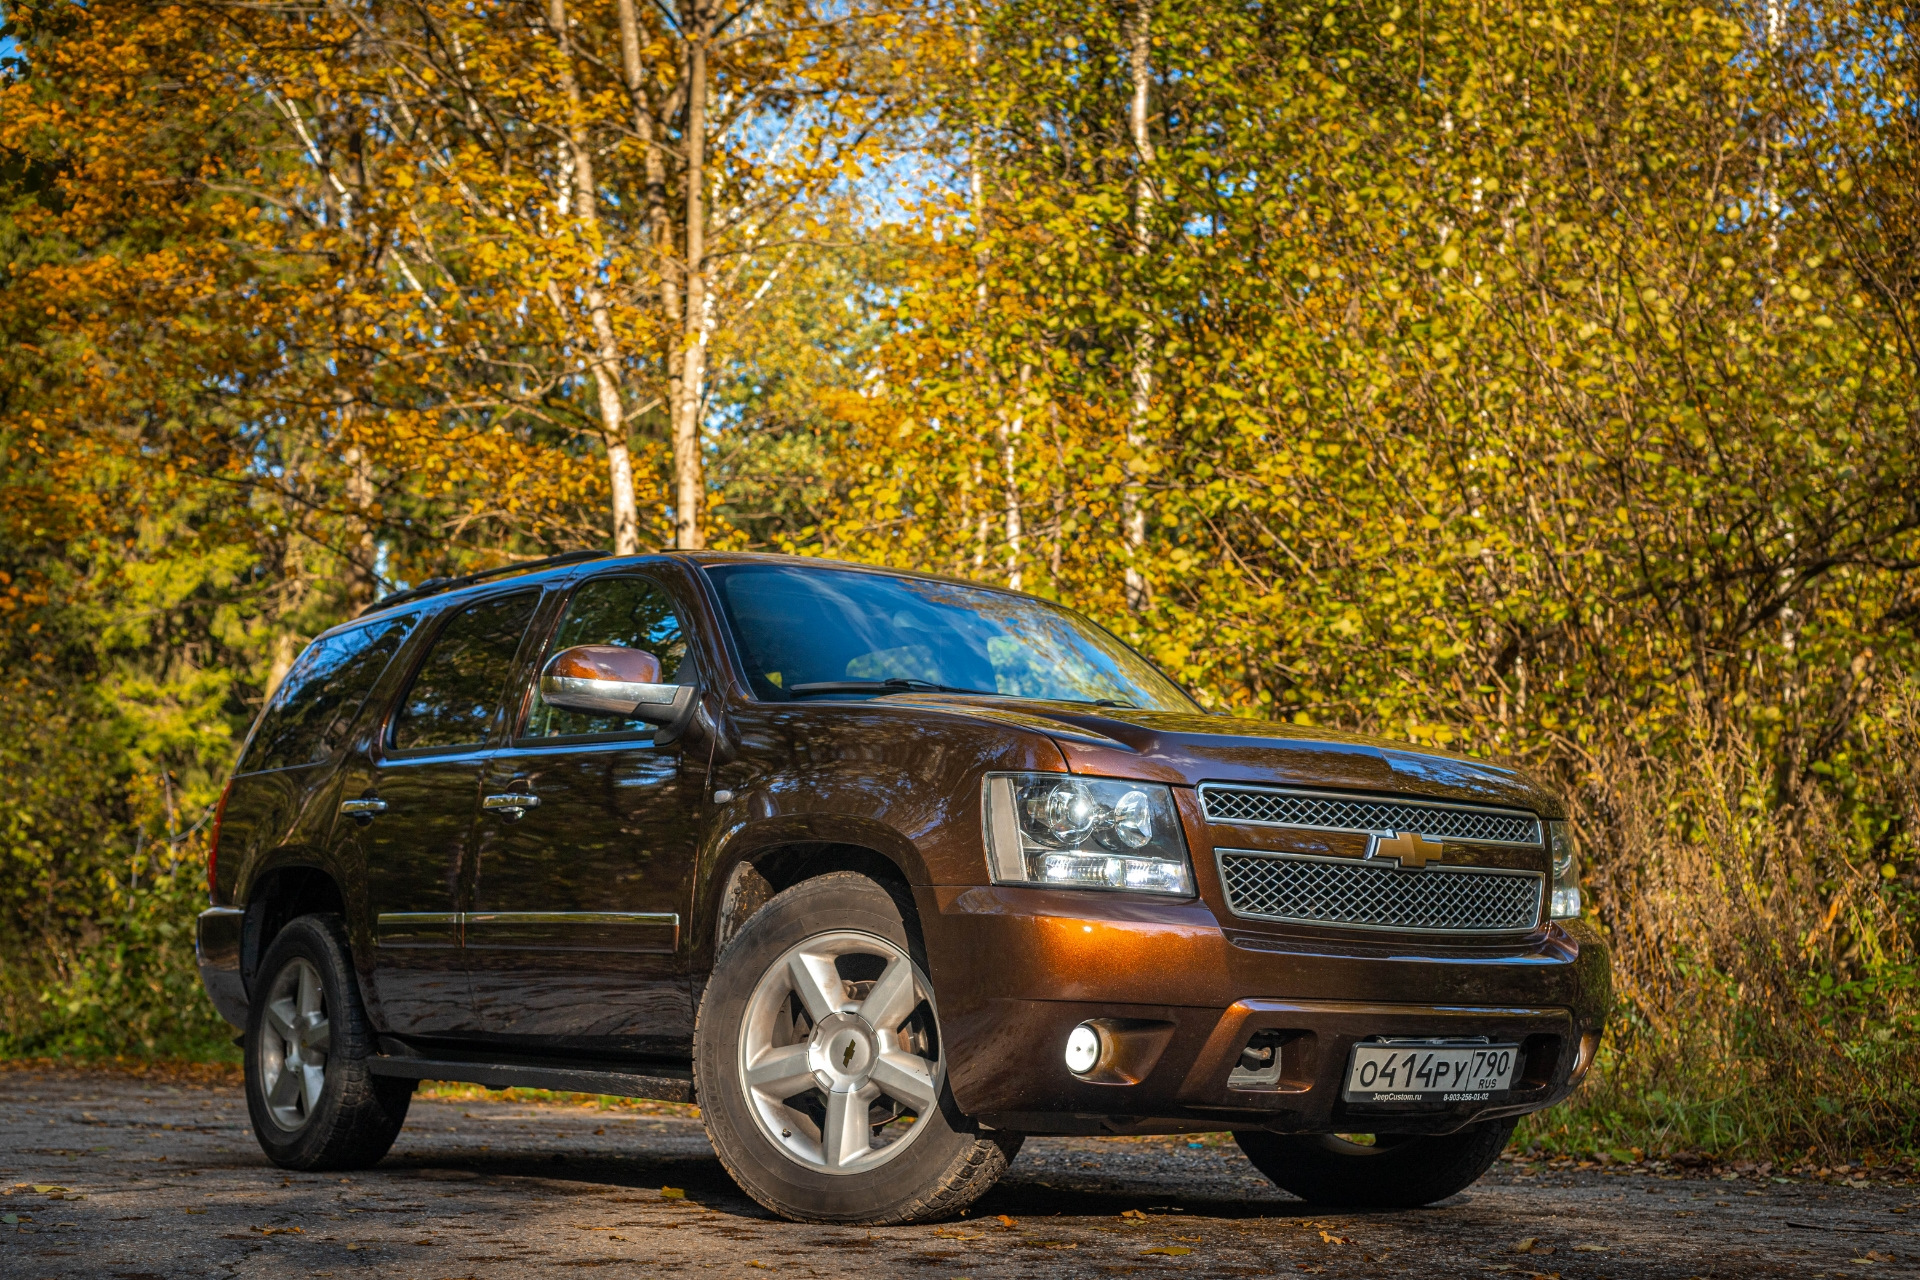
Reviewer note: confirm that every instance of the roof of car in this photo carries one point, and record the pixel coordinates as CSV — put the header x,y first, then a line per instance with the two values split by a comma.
x,y
442,591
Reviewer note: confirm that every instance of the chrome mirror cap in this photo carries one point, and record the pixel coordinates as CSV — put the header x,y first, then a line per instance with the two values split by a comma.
x,y
605,679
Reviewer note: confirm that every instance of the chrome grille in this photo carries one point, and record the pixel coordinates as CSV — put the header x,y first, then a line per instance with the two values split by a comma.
x,y
1319,811
1306,889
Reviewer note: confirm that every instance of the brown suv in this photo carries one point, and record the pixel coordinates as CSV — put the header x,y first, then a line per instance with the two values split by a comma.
x,y
886,872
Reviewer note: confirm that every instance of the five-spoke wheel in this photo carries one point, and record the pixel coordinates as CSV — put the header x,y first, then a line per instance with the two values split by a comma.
x,y
293,1045
840,1052
314,1102
819,1067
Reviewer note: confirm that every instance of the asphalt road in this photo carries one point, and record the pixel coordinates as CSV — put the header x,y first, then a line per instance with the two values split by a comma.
x,y
114,1177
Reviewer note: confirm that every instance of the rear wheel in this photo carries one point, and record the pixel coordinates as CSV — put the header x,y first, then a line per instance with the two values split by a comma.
x,y
1393,1171
313,1103
820,1070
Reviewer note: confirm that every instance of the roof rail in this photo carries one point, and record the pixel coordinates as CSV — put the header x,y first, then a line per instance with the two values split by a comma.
x,y
435,586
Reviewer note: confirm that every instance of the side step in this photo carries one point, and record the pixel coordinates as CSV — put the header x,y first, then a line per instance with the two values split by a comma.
x,y
501,1075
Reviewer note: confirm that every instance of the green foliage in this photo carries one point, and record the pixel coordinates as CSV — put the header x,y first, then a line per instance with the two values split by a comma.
x,y
96,925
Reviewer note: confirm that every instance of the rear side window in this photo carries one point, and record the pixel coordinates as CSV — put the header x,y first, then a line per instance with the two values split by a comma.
x,y
631,612
460,683
316,703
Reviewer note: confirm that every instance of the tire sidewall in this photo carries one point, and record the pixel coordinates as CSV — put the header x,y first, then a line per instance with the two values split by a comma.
x,y
308,938
840,901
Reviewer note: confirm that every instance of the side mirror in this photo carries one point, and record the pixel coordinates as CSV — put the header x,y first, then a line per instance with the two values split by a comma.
x,y
608,680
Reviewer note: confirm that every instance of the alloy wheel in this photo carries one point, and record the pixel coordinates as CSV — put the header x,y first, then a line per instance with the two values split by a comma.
x,y
294,1040
840,1052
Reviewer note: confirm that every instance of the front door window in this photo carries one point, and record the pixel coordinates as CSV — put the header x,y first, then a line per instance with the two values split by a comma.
x,y
633,613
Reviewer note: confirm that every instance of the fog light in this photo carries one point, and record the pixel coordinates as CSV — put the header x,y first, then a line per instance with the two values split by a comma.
x,y
1083,1048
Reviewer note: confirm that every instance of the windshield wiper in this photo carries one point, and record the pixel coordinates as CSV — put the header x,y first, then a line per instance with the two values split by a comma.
x,y
882,687
1114,702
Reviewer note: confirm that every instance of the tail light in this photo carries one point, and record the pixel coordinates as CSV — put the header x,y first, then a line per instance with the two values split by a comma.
x,y
213,841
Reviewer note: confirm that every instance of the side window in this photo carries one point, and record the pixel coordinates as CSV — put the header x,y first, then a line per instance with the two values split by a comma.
x,y
320,696
634,613
463,677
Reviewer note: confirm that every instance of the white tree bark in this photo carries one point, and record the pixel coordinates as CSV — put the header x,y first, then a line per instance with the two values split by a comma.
x,y
604,363
1133,496
689,475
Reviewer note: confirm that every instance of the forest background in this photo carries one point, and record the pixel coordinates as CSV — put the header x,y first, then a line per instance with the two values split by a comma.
x,y
1538,382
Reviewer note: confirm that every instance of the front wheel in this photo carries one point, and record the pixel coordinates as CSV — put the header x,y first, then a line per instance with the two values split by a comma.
x,y
313,1103
1394,1171
820,1069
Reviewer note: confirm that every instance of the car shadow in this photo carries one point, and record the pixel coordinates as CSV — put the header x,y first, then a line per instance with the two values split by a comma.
x,y
697,1176
702,1179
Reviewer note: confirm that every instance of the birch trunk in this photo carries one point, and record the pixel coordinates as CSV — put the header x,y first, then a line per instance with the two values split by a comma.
x,y
605,362
1133,497
689,480
659,225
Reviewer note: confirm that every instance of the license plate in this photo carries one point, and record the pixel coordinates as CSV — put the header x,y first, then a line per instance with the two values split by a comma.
x,y
1430,1072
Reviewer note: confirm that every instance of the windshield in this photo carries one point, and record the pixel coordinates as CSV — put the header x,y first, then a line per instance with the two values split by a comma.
x,y
808,632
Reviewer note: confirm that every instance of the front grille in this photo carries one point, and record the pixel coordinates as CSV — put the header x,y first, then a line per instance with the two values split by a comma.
x,y
1319,811
1305,889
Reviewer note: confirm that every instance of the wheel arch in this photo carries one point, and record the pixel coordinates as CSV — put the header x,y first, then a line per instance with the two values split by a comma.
x,y
277,898
759,873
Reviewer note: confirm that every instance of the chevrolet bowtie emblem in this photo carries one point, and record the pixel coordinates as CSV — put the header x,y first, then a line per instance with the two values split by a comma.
x,y
1408,848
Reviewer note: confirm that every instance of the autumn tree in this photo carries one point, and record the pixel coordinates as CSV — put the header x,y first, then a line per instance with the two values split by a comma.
x,y
556,217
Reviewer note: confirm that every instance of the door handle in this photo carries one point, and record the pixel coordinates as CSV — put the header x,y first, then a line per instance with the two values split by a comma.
x,y
364,807
510,804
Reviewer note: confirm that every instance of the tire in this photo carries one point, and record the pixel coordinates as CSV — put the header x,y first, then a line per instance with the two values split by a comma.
x,y
769,1012
305,1005
1400,1171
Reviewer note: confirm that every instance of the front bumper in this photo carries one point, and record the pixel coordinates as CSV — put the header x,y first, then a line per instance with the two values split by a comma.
x,y
1017,969
217,948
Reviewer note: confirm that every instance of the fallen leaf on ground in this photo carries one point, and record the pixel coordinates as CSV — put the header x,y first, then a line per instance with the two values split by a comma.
x,y
1134,1214
193,1211
13,1219
279,1231
1331,1238
1005,1221
1171,1250
673,1193
1523,1246
1589,1248
44,1189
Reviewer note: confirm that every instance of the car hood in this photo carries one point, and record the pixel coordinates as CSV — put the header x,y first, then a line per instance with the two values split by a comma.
x,y
1189,749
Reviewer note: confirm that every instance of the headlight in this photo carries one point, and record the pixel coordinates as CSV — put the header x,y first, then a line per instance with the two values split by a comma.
x,y
1566,872
1087,833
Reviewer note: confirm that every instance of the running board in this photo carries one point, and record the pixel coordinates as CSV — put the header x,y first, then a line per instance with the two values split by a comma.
x,y
501,1075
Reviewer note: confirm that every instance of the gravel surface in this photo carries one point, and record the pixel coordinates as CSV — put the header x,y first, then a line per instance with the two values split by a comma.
x,y
118,1177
